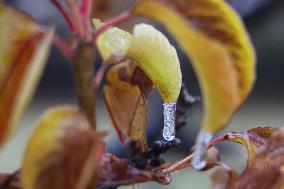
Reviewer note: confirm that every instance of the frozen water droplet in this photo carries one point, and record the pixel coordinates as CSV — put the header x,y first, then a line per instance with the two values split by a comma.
x,y
169,121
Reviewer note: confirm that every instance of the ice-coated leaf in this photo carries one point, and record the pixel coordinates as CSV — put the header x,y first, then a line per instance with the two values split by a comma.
x,y
24,51
151,50
154,54
126,103
62,152
213,37
113,41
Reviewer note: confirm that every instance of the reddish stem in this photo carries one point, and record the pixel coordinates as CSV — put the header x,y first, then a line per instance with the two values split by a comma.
x,y
217,140
99,75
112,22
85,10
85,7
67,17
67,51
72,5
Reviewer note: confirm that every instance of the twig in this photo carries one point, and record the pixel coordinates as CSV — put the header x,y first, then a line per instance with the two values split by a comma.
x,y
217,140
102,69
179,165
99,75
67,17
66,50
85,10
112,22
77,16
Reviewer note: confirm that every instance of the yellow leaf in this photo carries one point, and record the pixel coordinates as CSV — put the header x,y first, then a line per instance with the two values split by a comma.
x,y
213,37
151,50
24,51
112,41
61,152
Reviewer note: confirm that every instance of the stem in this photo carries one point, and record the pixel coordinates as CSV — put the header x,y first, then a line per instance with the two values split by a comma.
x,y
84,73
67,17
112,22
67,51
77,17
85,7
99,75
85,10
180,164
217,140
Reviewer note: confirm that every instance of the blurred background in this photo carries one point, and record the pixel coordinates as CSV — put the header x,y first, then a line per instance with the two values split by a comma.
x,y
265,106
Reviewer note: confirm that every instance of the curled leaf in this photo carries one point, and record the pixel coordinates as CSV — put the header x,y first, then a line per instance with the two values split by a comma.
x,y
151,50
254,140
213,37
62,152
24,51
265,161
126,103
113,42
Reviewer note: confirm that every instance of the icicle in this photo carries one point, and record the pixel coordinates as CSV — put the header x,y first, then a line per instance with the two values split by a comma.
x,y
169,121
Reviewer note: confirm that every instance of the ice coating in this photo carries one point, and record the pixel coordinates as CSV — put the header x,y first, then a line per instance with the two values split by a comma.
x,y
169,121
200,154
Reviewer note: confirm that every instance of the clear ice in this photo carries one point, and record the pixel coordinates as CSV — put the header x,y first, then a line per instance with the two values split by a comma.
x,y
169,121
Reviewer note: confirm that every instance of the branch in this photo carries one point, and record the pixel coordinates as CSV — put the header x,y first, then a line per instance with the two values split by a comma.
x,y
66,16
112,22
85,10
66,50
77,16
217,140
100,75
180,164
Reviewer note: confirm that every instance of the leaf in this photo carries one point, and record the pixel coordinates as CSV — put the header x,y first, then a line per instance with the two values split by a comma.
x,y
215,40
62,152
151,50
112,42
24,51
126,103
253,139
265,161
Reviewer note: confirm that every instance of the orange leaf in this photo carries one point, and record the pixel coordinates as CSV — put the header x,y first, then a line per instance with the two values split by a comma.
x,y
126,102
265,162
24,51
253,139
